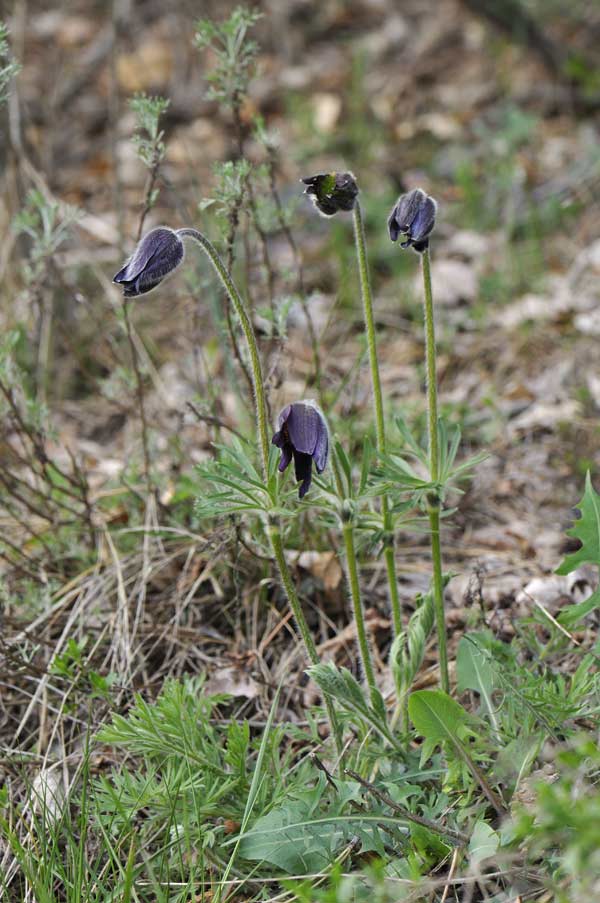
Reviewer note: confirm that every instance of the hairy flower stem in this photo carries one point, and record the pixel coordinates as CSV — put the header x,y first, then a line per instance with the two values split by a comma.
x,y
434,474
248,330
365,287
354,583
309,643
363,644
261,419
139,383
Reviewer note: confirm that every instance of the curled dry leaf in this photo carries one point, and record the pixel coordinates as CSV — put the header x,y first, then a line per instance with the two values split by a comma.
x,y
149,64
454,280
233,681
324,566
327,109
525,795
47,795
546,415
551,591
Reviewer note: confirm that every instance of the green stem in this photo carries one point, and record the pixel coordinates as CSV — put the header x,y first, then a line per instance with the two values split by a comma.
x,y
367,298
365,287
352,576
438,595
261,419
434,473
309,643
432,406
139,385
361,632
240,309
278,551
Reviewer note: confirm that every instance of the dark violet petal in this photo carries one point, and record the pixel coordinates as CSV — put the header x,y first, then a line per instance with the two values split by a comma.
x,y
140,286
283,416
130,290
162,263
303,427
279,439
145,283
346,191
424,220
122,275
158,253
322,447
302,433
311,181
160,247
409,206
393,226
324,205
414,217
406,208
332,191
286,456
142,254
303,470
421,246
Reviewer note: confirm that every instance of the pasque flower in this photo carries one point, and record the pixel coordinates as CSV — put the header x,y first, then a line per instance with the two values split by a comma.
x,y
332,191
302,435
157,254
414,217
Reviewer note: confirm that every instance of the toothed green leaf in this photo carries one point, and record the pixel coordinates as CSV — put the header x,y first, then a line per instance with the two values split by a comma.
x,y
587,530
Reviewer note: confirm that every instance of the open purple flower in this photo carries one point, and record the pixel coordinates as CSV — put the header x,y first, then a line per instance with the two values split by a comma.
x,y
302,435
414,217
158,254
332,191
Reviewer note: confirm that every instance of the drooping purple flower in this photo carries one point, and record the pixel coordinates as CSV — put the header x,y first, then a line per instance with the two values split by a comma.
x,y
302,435
413,216
332,191
157,254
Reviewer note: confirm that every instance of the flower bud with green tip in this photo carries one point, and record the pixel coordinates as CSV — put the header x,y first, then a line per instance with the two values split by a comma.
x,y
332,191
302,434
157,255
414,217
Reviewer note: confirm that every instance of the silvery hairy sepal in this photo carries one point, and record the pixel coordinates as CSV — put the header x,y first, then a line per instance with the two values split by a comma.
x,y
156,256
302,434
332,191
414,217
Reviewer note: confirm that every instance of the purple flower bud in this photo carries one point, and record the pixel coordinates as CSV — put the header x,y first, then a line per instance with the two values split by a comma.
x,y
332,191
158,254
414,217
302,435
